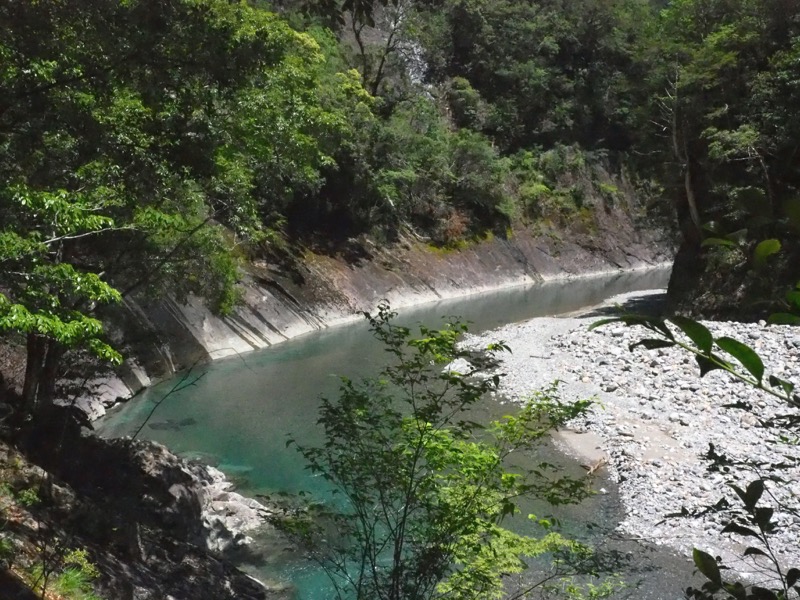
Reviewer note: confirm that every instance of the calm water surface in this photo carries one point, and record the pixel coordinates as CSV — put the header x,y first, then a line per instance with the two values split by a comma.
x,y
239,415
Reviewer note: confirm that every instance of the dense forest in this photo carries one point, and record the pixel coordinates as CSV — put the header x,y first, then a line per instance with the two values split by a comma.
x,y
155,146
152,146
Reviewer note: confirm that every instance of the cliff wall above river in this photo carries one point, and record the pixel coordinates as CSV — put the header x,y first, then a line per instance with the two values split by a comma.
x,y
315,290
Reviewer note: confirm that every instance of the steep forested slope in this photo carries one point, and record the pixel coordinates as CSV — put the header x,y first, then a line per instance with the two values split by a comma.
x,y
153,148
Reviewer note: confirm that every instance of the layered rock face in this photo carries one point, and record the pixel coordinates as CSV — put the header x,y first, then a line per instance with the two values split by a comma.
x,y
318,290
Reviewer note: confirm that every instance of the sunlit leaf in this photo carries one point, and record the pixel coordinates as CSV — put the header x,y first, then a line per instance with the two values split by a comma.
x,y
696,332
764,250
749,359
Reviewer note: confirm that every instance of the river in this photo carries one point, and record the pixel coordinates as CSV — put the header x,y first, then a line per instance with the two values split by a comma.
x,y
239,414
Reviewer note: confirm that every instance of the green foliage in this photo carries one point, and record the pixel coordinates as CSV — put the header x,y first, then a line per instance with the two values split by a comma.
x,y
7,550
73,576
548,71
567,588
127,168
78,559
465,103
764,250
74,584
451,184
28,497
715,101
791,308
422,491
699,341
501,76
41,294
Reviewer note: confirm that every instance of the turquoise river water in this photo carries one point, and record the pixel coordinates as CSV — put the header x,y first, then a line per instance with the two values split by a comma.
x,y
239,415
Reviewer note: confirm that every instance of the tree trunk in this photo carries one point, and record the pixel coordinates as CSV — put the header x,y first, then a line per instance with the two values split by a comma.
x,y
691,227
41,373
47,384
686,203
34,366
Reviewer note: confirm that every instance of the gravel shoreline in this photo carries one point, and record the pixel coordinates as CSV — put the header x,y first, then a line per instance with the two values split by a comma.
x,y
654,419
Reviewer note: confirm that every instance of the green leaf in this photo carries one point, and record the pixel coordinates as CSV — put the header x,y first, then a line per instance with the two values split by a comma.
x,y
764,250
714,241
603,322
749,359
753,494
763,516
739,236
707,365
696,332
652,344
739,530
791,209
751,551
706,564
759,593
783,319
786,386
651,323
737,590
793,298
792,577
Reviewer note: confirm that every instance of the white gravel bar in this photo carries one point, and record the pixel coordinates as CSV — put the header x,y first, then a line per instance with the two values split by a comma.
x,y
655,417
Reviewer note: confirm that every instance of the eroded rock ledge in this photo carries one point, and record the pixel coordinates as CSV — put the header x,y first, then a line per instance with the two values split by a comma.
x,y
279,303
157,526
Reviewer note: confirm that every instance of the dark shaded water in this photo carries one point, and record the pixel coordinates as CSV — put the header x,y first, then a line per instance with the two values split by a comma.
x,y
239,414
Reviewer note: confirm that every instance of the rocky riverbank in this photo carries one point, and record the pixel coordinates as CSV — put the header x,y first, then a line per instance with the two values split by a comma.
x,y
655,418
156,526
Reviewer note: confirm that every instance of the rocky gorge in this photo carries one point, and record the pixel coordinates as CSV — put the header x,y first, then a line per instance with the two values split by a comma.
x,y
281,299
186,515
655,419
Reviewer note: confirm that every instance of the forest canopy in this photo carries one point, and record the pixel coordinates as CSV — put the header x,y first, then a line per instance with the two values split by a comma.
x,y
149,147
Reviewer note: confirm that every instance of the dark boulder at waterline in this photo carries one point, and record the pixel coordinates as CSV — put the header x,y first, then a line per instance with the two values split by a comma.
x,y
146,515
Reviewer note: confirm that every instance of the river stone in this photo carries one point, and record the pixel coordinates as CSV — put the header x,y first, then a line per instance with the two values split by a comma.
x,y
685,415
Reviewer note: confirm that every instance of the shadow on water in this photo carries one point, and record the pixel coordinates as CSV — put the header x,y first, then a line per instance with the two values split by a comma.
x,y
240,413
651,305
